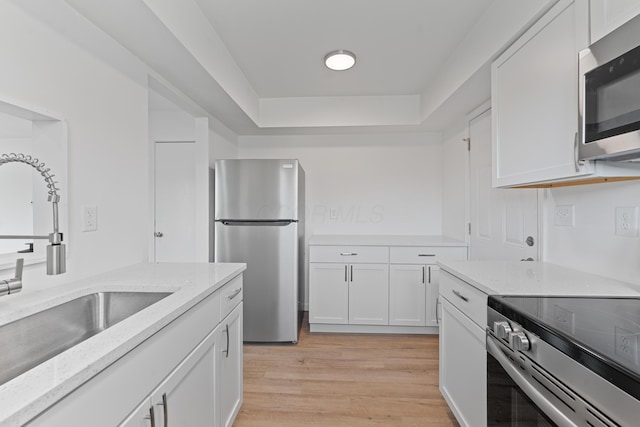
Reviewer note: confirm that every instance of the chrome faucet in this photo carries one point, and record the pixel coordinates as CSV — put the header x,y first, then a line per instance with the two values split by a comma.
x,y
14,285
56,258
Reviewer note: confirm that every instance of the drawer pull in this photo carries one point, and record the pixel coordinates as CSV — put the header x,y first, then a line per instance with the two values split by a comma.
x,y
426,254
348,253
462,297
235,293
151,417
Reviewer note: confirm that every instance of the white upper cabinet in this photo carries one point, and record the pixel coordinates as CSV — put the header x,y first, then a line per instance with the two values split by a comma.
x,y
607,15
535,101
534,98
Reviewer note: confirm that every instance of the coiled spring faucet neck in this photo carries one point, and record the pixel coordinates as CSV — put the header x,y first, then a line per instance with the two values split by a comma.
x,y
56,258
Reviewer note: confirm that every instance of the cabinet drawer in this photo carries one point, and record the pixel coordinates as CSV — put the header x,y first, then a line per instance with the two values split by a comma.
x,y
349,254
465,298
426,254
230,296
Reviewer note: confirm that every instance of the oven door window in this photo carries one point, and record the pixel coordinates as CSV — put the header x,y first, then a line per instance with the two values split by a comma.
x,y
507,405
612,97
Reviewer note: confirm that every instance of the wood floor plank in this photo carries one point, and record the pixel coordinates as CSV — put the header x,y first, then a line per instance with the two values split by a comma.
x,y
350,380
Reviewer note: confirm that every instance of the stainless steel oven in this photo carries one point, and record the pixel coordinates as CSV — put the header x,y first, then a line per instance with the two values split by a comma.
x,y
563,362
610,96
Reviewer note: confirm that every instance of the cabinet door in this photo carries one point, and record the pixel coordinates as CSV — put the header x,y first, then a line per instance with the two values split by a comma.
x,y
369,294
188,396
230,367
432,294
142,416
407,296
328,293
463,366
607,15
534,101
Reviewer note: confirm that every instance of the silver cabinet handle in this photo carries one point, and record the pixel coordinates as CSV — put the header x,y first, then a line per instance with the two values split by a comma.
x,y
235,293
158,234
426,254
437,305
346,279
528,388
459,295
151,416
348,253
429,274
165,408
352,274
576,155
226,352
423,274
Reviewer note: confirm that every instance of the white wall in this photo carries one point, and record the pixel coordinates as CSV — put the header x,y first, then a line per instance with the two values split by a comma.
x,y
455,159
592,245
221,147
378,184
106,113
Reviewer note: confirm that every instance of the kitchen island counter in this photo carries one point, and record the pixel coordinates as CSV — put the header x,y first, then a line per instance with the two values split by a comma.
x,y
31,393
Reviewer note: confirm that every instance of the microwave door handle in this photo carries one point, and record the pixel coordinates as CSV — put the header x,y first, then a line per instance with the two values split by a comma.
x,y
576,153
536,397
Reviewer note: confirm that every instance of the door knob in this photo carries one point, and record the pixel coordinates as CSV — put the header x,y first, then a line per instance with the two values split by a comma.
x,y
158,234
530,241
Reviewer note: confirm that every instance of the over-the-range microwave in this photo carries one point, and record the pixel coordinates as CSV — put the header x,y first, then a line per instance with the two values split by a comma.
x,y
609,96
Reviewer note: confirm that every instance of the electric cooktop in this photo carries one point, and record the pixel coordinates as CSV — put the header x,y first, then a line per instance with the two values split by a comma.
x,y
602,334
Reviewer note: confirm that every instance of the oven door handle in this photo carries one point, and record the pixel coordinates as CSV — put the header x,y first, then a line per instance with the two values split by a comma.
x,y
529,389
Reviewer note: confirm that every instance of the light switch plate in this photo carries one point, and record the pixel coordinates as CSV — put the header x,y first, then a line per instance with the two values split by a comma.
x,y
89,218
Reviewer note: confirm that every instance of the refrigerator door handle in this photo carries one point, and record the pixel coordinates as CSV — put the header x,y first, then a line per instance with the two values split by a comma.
x,y
275,223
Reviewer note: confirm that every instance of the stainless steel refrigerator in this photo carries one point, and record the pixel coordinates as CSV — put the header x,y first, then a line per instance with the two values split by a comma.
x,y
259,220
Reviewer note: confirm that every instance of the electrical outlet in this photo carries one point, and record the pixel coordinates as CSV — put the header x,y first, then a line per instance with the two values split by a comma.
x,y
563,318
89,218
627,221
565,215
627,344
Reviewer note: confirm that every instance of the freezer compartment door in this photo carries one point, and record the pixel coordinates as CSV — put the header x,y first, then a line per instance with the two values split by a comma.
x,y
256,189
270,251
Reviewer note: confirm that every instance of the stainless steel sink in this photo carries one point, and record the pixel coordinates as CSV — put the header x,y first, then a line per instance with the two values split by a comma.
x,y
29,341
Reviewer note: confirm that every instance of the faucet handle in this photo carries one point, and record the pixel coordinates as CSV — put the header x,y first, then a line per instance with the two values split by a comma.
x,y
19,267
11,286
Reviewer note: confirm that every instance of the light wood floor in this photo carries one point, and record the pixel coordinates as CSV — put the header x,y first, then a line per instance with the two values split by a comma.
x,y
344,380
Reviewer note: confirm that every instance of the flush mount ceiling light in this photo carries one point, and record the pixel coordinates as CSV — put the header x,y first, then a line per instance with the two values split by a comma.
x,y
340,60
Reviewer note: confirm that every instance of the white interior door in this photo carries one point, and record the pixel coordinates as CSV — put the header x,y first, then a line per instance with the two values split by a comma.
x,y
175,202
504,222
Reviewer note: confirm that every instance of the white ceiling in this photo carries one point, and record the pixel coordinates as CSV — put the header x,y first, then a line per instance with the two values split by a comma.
x,y
280,44
257,65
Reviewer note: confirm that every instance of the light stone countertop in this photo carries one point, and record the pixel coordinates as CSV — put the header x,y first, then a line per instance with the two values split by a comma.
x,y
524,278
27,395
383,240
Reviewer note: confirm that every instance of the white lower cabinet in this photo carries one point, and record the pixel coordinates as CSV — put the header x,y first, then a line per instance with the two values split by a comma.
x,y
384,289
368,294
188,396
328,293
463,357
407,295
230,367
205,389
413,291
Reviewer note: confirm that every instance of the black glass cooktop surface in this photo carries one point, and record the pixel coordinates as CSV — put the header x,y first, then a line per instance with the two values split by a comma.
x,y
601,333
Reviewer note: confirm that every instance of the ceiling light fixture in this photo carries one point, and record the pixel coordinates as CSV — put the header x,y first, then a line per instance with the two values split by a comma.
x,y
340,60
